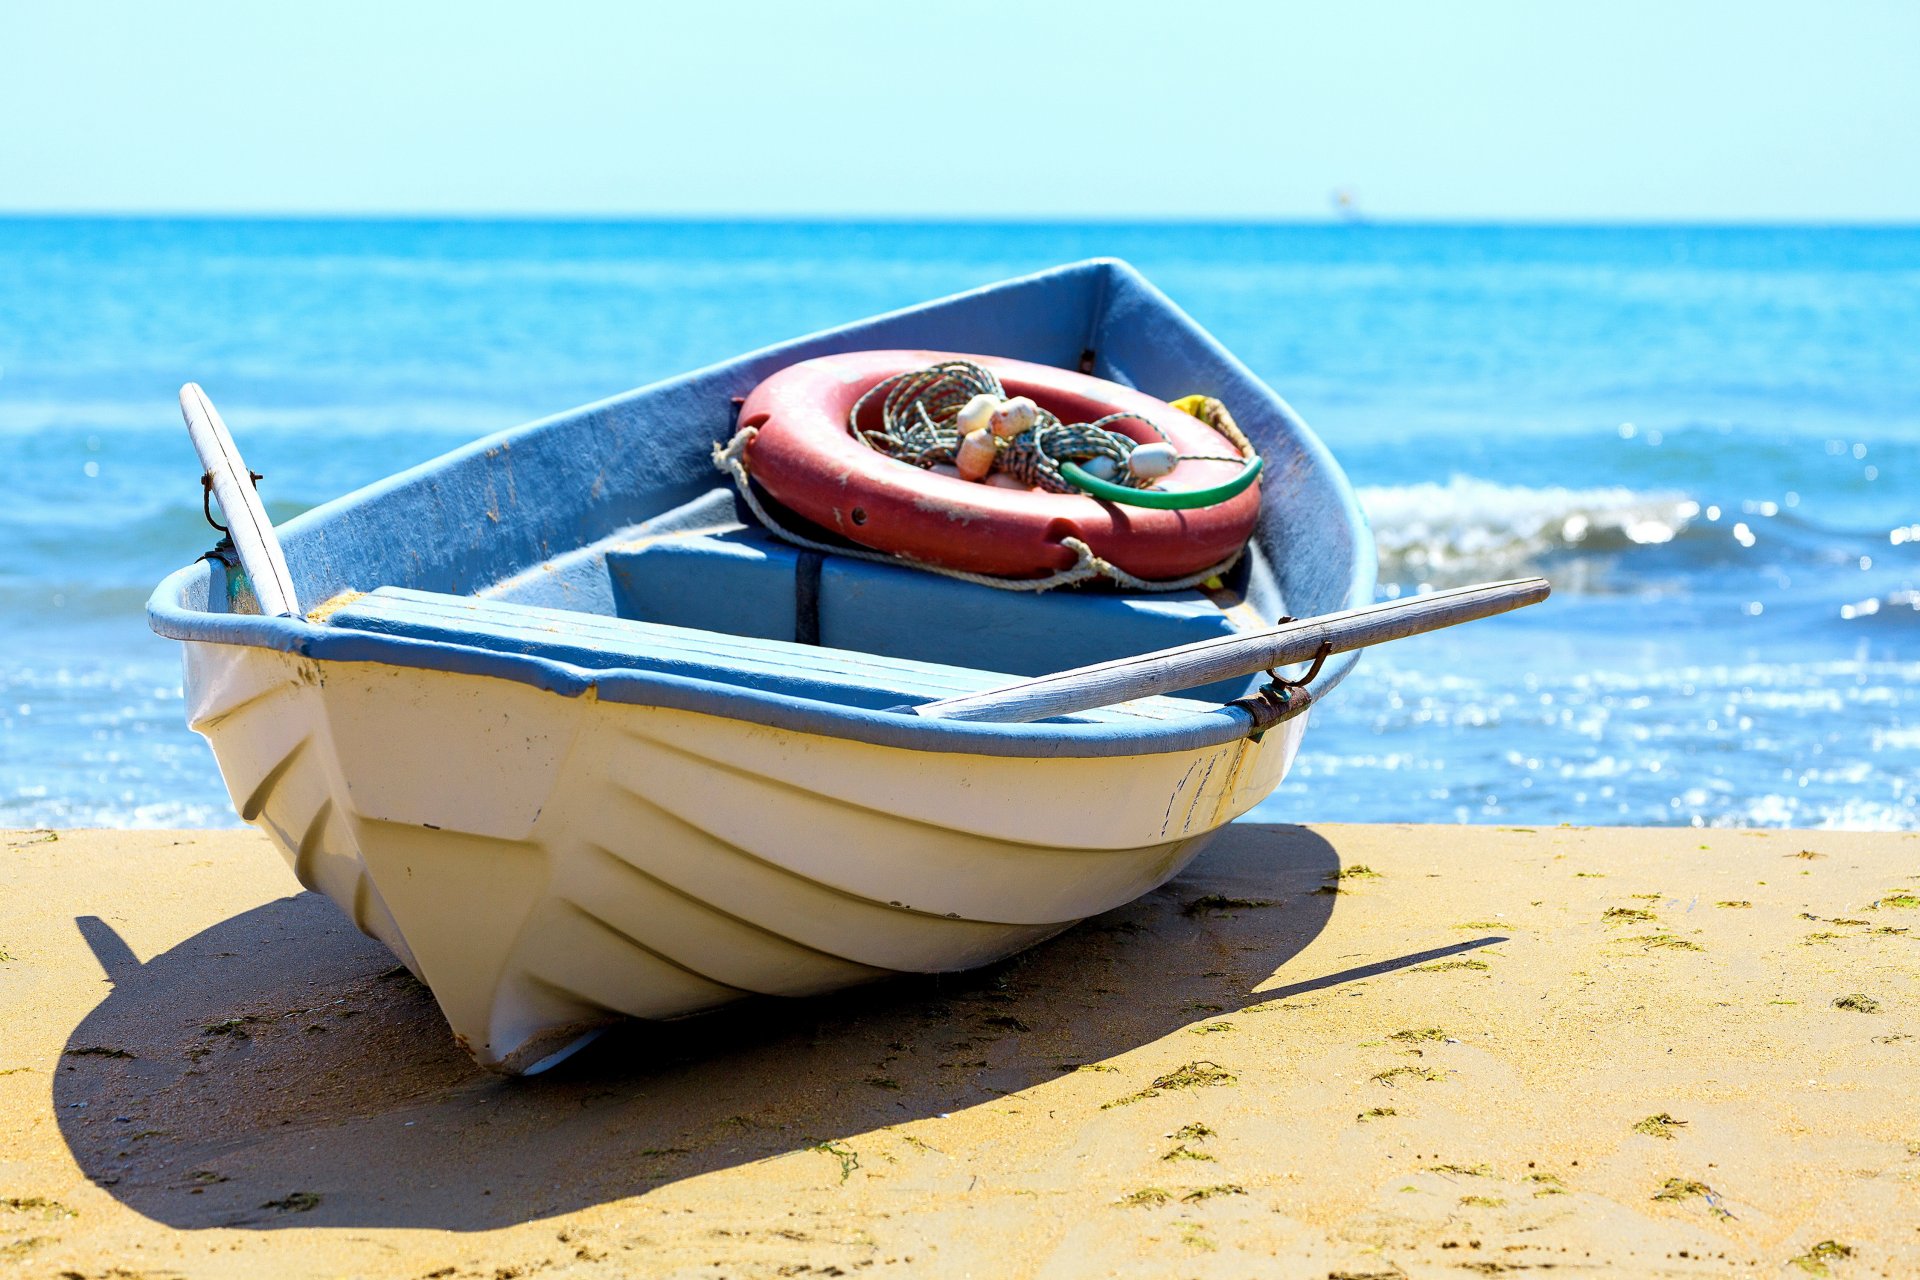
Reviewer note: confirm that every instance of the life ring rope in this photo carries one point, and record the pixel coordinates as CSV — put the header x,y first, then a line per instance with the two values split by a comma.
x,y
730,458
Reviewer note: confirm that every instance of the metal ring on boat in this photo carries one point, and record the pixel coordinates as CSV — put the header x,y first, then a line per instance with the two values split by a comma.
x,y
804,455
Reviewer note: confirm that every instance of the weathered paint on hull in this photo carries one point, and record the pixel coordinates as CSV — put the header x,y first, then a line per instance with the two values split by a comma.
x,y
549,864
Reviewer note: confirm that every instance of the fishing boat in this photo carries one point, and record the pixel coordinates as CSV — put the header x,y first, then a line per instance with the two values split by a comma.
x,y
582,729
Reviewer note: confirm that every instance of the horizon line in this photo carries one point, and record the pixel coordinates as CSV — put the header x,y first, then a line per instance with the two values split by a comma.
x,y
1361,222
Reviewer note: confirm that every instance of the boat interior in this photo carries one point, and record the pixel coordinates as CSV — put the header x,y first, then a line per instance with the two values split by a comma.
x,y
700,592
605,539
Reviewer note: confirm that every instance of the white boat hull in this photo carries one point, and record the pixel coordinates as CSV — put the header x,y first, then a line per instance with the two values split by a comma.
x,y
548,864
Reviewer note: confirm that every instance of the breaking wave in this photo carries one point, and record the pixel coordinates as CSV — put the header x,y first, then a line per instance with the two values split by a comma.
x,y
1469,529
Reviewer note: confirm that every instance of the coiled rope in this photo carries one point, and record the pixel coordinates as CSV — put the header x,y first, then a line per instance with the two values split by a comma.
x,y
920,413
919,426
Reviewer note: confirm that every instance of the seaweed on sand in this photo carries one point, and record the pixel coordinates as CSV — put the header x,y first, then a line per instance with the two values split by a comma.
x,y
235,1027
849,1158
1194,1237
1418,1073
1208,1193
295,1202
1666,942
1660,1125
1192,1075
1676,1190
1814,1261
1221,904
1181,1151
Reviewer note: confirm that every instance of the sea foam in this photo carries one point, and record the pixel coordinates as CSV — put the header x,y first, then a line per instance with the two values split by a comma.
x,y
1469,528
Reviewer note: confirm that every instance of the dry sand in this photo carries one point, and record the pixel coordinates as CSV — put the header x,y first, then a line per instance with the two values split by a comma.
x,y
1332,1051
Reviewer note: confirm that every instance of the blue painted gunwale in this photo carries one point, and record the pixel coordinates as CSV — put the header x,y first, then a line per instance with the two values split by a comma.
x,y
510,501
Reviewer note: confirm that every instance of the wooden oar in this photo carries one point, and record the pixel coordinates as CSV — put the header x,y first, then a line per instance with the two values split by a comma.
x,y
1171,670
247,523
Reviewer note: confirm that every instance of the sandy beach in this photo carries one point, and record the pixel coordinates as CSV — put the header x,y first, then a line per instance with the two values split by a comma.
x,y
1336,1051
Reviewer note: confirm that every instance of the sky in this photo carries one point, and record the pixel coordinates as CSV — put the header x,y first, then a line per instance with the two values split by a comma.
x,y
1570,111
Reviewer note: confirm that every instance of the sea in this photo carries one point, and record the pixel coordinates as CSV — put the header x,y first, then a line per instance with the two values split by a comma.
x,y
1707,438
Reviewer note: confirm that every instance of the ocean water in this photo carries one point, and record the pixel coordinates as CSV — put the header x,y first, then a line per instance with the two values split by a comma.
x,y
1709,439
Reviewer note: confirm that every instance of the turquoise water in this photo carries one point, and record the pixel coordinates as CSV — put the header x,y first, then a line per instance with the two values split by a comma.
x,y
1709,439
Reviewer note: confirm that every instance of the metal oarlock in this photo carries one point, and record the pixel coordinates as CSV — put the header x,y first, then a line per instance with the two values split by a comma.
x,y
1280,699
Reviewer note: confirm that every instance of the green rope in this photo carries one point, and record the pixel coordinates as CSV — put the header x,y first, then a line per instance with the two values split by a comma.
x,y
918,425
1164,500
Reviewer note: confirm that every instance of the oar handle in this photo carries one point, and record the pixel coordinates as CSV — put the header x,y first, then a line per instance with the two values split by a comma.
x,y
247,524
1171,670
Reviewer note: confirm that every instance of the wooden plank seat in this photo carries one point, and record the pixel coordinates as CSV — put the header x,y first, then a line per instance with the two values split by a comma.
x,y
600,642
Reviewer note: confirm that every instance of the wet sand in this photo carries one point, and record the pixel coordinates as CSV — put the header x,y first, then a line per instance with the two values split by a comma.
x,y
1330,1051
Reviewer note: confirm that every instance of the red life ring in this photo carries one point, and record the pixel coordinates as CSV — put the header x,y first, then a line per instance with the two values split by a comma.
x,y
805,456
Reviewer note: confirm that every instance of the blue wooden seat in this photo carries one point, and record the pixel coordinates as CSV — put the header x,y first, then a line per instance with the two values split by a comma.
x,y
600,642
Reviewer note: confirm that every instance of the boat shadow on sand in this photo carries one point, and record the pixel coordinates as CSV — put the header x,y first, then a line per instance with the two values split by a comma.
x,y
279,1070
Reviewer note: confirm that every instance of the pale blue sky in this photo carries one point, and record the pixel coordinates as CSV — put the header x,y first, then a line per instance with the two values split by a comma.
x,y
1565,111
